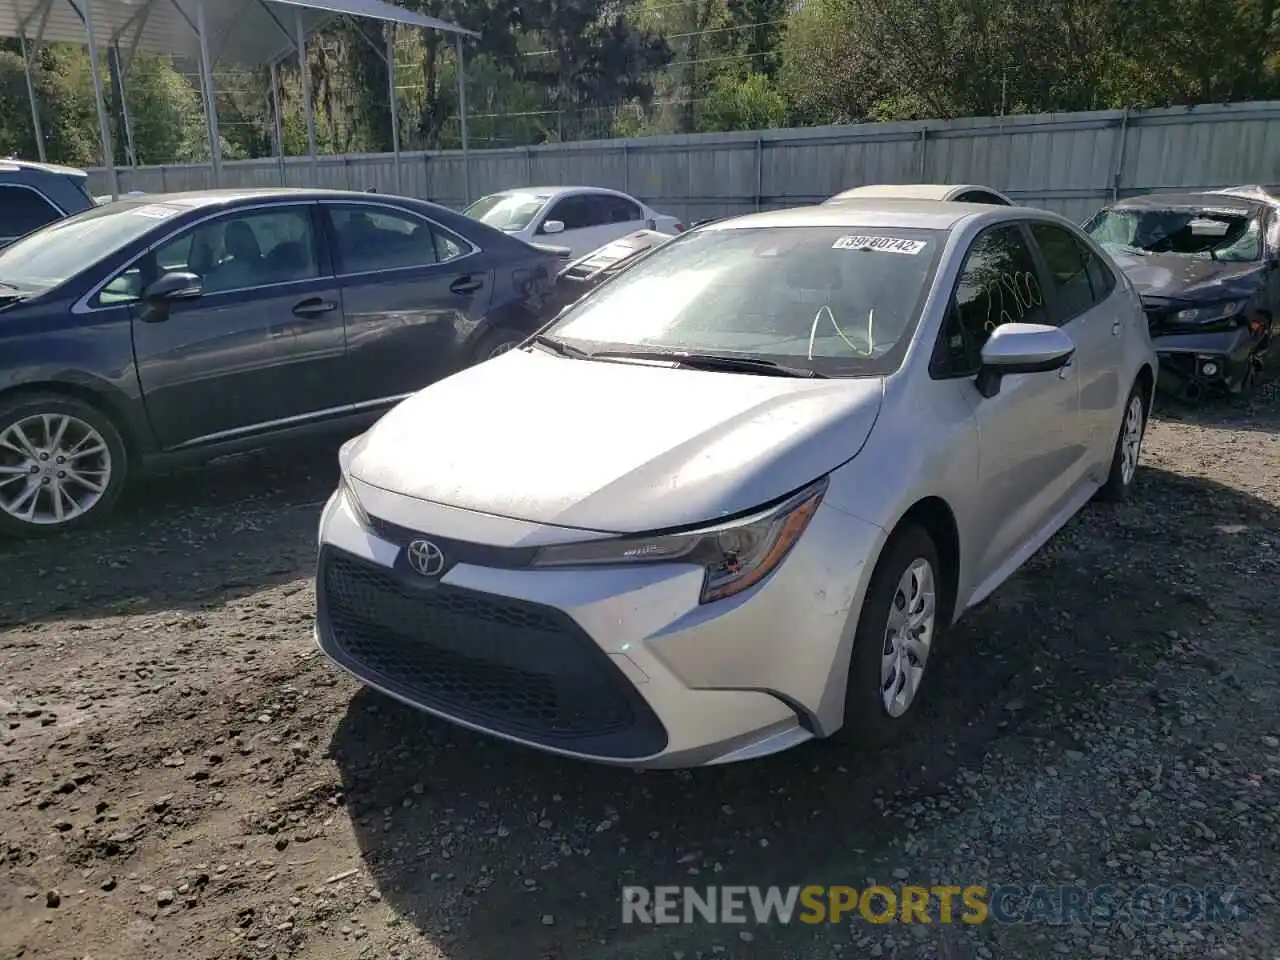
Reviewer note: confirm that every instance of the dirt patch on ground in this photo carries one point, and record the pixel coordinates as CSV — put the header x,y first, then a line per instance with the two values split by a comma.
x,y
182,775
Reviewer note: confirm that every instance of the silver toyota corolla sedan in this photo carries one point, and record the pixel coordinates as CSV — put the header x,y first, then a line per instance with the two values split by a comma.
x,y
731,499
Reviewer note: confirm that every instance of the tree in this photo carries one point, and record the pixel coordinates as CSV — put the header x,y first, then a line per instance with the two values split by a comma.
x,y
164,112
597,58
747,103
827,74
757,27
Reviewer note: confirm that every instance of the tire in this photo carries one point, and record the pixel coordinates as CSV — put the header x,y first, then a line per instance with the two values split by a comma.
x,y
1120,479
497,342
1249,377
868,719
84,431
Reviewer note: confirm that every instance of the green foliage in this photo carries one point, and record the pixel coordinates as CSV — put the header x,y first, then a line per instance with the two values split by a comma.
x,y
164,111
16,137
548,70
826,76
749,103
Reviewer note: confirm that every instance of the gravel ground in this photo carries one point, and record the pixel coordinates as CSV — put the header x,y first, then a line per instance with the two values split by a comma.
x,y
182,775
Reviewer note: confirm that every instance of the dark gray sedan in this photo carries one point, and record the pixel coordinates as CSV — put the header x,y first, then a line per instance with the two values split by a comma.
x,y
162,328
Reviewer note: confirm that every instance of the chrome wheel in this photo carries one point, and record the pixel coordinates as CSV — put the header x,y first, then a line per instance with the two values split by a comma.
x,y
1131,439
54,468
908,637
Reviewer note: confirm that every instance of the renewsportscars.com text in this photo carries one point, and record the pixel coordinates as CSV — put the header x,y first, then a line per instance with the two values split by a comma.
x,y
945,904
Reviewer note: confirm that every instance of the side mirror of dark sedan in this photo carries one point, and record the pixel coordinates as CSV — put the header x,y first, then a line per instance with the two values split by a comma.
x,y
174,286
1016,348
160,295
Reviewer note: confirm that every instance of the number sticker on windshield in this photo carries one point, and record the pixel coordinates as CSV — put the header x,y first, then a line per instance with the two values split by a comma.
x,y
883,244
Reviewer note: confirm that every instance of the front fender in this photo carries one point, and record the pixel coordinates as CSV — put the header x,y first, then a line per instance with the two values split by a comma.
x,y
93,362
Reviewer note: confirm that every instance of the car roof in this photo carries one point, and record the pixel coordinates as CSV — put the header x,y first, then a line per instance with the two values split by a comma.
x,y
194,199
914,191
1250,192
8,165
558,191
876,212
1160,201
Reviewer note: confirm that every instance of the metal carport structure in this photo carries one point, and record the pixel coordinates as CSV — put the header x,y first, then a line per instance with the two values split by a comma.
x,y
207,32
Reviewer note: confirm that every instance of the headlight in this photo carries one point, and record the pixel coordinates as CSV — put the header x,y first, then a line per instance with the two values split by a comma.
x,y
352,501
1211,314
735,555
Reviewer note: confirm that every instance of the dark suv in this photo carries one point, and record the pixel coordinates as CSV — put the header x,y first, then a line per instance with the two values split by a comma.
x,y
35,194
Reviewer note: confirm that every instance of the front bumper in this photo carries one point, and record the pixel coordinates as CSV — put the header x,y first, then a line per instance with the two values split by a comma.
x,y
1216,360
616,665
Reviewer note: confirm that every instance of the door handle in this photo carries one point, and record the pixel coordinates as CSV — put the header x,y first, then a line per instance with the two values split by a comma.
x,y
467,284
314,307
1115,328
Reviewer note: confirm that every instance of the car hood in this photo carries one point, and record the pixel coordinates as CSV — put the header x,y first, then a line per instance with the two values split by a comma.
x,y
1192,279
615,447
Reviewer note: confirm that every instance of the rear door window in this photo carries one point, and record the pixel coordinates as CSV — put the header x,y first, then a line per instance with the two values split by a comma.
x,y
377,238
620,209
1064,256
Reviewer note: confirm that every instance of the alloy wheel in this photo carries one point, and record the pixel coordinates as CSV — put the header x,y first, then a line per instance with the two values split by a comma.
x,y
1131,439
908,637
54,468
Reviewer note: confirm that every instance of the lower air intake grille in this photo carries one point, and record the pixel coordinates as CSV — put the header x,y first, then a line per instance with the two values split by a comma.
x,y
505,665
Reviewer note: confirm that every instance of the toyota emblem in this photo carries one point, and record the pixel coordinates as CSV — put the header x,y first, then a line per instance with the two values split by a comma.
x,y
426,558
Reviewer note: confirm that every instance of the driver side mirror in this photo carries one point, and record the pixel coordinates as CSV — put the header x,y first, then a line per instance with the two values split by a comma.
x,y
174,286
160,295
553,226
1015,348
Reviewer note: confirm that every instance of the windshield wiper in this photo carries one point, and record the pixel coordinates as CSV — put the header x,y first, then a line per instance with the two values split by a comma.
x,y
560,347
715,361
10,286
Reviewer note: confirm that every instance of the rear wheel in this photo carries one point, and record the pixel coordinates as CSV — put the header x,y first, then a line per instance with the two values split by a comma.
x,y
895,640
62,464
1128,449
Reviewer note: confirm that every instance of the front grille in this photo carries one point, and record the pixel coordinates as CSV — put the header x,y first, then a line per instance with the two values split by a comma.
x,y
505,665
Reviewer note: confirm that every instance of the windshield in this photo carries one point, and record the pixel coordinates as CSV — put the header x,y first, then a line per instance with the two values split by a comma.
x,y
837,300
511,212
54,254
1211,233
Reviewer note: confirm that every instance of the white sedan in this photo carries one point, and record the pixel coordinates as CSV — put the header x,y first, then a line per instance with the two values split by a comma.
x,y
579,219
753,480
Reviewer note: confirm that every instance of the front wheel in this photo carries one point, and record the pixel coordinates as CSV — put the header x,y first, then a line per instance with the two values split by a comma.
x,y
497,342
897,631
1249,376
1128,449
62,464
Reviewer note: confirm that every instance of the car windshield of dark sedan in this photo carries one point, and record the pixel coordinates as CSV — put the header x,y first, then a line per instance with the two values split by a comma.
x,y
54,254
511,212
1218,234
842,301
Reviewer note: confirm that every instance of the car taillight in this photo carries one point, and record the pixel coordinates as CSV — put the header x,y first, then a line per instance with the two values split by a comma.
x,y
679,228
